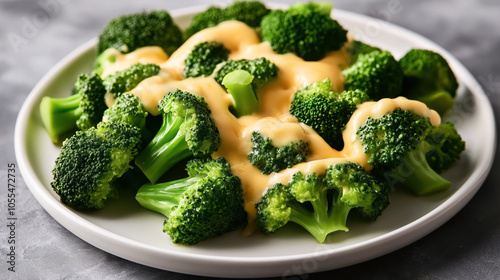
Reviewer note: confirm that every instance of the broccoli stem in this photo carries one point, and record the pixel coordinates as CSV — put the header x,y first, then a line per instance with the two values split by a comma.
x,y
164,197
441,101
59,115
324,219
167,148
416,175
239,85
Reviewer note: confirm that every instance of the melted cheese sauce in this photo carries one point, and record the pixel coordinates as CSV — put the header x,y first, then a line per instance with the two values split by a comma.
x,y
145,55
273,119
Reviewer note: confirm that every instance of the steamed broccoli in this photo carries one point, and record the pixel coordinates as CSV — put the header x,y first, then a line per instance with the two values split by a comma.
x,y
127,109
90,161
129,32
262,69
207,203
331,198
239,85
305,30
357,48
204,58
395,144
128,79
445,146
325,110
82,110
429,79
188,129
377,73
249,12
270,158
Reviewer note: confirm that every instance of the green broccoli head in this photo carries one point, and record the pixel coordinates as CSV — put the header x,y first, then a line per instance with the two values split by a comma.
x,y
326,111
429,78
377,73
361,191
207,203
261,69
270,158
129,32
306,31
82,110
249,12
126,80
356,48
321,204
445,146
188,129
396,149
204,58
90,161
128,109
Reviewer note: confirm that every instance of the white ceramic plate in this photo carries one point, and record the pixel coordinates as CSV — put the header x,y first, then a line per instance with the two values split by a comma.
x,y
125,229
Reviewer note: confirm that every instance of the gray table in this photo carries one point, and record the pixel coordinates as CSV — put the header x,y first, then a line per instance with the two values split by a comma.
x,y
34,35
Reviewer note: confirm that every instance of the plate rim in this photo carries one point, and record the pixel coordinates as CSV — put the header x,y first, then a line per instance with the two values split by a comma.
x,y
379,245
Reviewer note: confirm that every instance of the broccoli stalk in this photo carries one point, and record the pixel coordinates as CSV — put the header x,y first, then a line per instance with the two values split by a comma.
x,y
187,130
207,203
239,85
416,175
82,110
346,186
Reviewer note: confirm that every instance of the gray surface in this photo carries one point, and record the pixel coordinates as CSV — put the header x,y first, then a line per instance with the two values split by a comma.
x,y
466,247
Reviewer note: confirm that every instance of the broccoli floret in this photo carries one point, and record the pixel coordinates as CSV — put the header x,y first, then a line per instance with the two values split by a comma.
x,y
239,85
325,110
128,79
249,12
206,19
90,161
261,69
356,48
270,158
331,198
129,32
204,58
319,7
188,129
82,110
429,79
306,31
207,203
127,109
377,73
397,150
445,146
